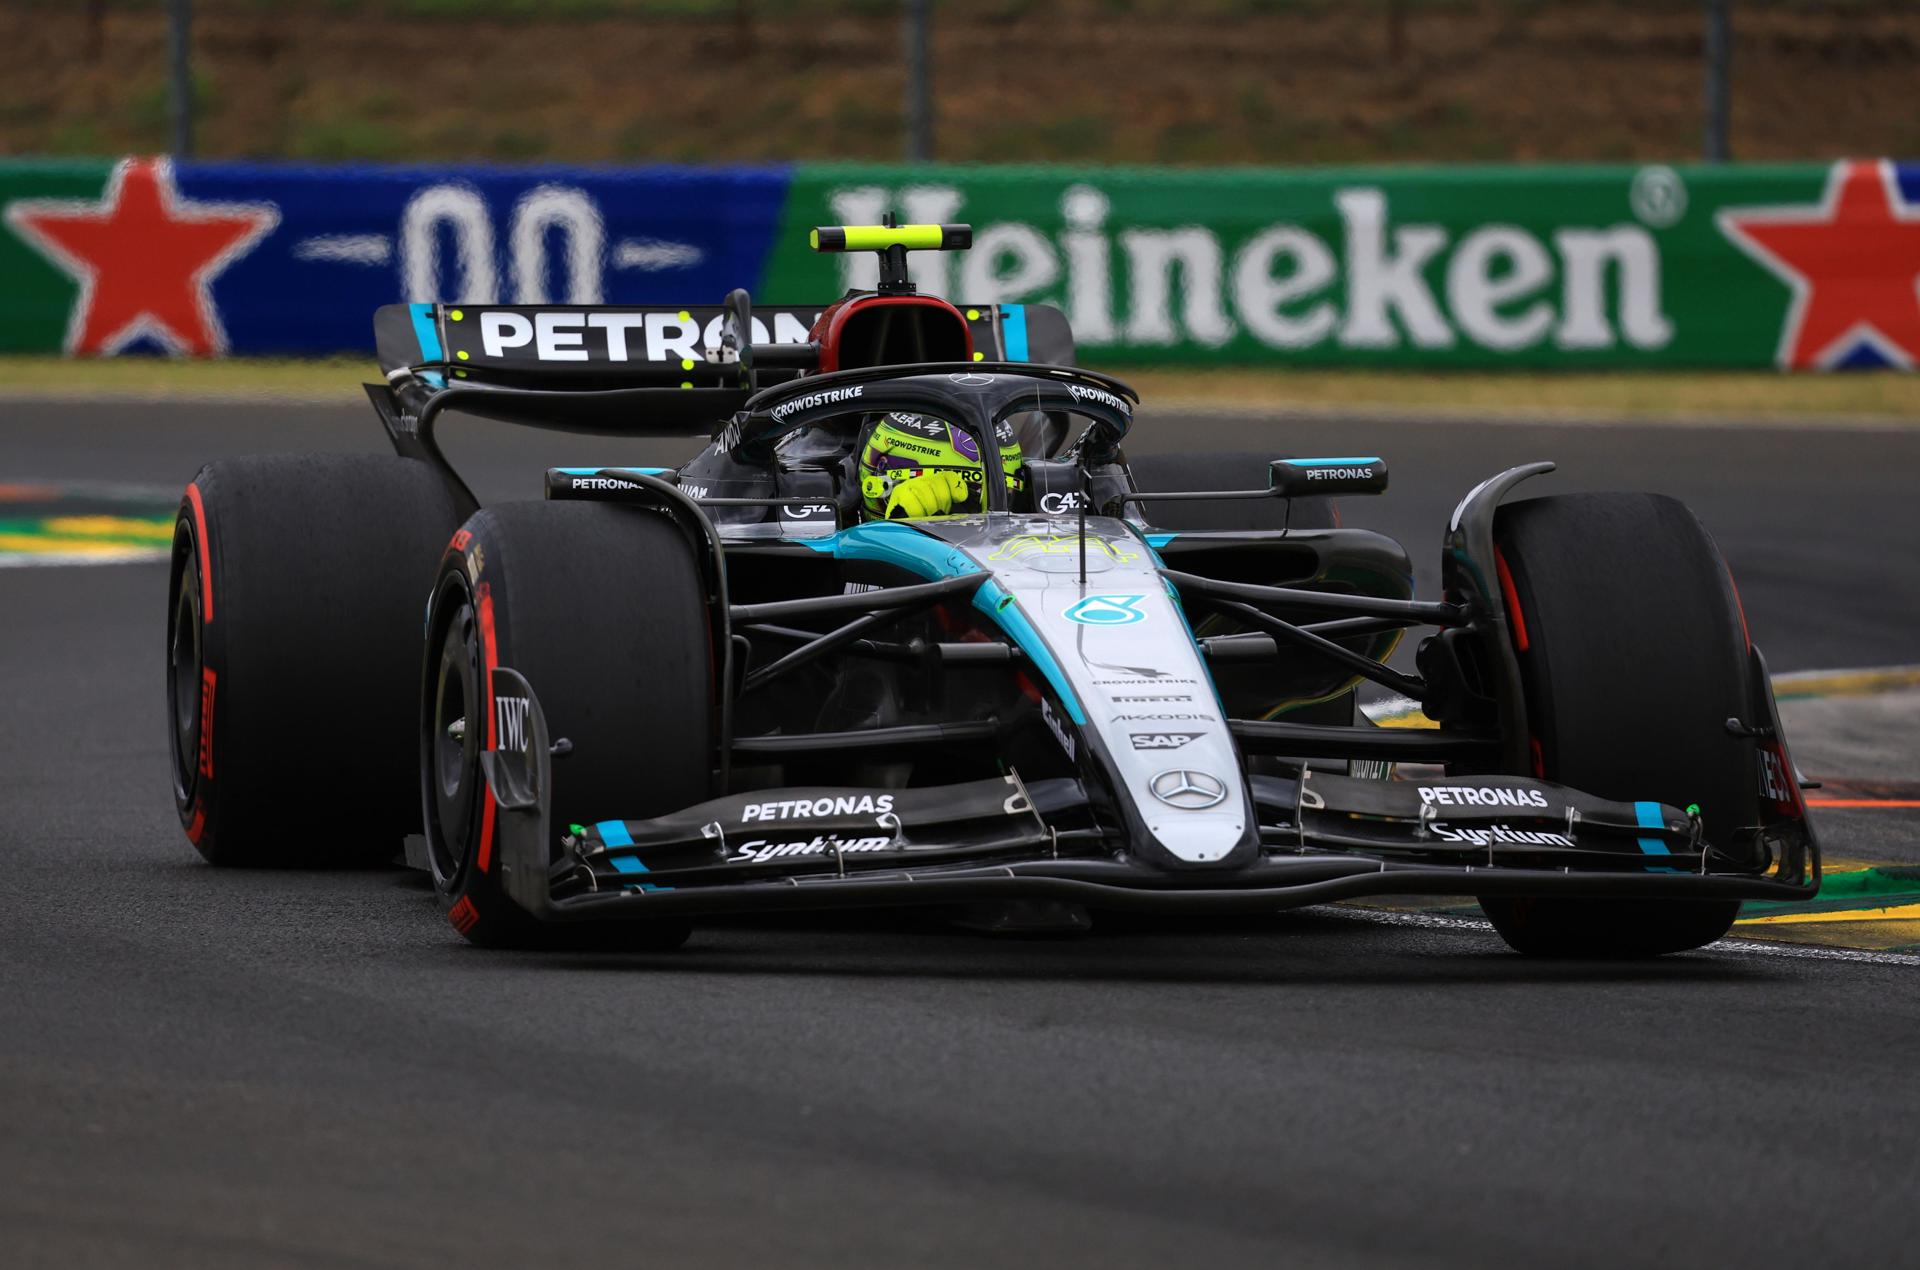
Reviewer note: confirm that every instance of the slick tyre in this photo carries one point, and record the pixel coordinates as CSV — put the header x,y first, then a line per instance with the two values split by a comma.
x,y
1633,654
602,609
293,619
1169,473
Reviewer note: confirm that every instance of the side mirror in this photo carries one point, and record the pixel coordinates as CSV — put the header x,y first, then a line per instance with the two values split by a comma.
x,y
1296,478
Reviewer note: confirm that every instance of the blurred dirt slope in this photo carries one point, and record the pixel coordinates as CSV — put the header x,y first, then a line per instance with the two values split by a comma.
x,y
1208,81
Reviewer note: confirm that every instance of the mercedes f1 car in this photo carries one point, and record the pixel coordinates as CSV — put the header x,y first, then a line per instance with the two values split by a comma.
x,y
662,694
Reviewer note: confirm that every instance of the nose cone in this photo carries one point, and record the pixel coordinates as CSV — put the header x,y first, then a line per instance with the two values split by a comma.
x,y
1193,814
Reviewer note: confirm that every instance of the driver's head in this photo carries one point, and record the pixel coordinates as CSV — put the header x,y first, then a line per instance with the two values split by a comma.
x,y
916,466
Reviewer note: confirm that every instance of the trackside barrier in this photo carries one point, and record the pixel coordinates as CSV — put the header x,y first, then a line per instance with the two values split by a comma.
x,y
1799,266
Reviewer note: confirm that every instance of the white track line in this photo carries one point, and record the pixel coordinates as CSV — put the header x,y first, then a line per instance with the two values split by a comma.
x,y
1747,947
1402,917
1815,952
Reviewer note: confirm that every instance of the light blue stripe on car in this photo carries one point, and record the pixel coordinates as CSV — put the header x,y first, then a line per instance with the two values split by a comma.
x,y
1013,331
614,834
426,333
1648,815
1331,462
428,337
1005,611
899,544
595,471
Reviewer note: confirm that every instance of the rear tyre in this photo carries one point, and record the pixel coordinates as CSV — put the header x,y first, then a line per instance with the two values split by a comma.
x,y
602,609
1633,654
293,612
1170,473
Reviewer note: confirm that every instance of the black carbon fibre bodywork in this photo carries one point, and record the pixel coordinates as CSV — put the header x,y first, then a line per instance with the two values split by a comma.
x,y
921,665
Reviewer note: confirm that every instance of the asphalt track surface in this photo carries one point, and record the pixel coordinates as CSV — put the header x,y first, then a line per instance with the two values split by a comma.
x,y
205,1068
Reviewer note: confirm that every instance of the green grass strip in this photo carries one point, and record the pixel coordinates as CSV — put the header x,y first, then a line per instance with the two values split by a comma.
x,y
1880,887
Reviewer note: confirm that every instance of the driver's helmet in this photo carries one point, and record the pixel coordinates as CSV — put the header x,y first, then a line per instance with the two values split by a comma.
x,y
915,466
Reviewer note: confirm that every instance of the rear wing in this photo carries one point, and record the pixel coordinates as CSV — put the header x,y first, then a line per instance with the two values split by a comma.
x,y
643,346
633,370
551,346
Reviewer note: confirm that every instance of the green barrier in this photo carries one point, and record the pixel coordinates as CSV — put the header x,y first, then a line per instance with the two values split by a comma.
x,y
36,297
1574,267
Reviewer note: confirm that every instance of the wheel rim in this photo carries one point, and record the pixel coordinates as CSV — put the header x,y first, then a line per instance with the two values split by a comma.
x,y
454,729
184,665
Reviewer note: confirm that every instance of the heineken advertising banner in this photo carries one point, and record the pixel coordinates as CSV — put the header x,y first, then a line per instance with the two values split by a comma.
x,y
1798,266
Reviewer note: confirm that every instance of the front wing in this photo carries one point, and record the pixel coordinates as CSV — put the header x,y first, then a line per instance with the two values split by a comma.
x,y
1324,838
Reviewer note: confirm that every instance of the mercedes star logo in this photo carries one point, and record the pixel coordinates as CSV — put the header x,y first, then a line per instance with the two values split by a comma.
x,y
969,380
1188,790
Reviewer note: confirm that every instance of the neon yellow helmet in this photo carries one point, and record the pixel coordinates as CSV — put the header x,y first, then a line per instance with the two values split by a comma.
x,y
916,466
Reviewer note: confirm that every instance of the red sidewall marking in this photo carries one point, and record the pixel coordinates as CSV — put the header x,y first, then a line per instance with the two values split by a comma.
x,y
1777,773
483,608
1739,606
1907,804
196,826
206,556
1517,628
208,681
485,859
1515,618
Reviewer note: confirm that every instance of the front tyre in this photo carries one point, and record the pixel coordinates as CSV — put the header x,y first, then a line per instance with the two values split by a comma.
x,y
1633,654
602,609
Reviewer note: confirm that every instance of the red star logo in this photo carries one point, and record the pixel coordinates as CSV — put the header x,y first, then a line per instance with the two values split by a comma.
x,y
144,257
1853,263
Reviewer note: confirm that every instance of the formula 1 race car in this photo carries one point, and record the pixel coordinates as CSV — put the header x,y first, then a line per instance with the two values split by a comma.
x,y
661,694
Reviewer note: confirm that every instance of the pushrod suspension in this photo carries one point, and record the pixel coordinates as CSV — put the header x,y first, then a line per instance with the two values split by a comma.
x,y
1425,612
